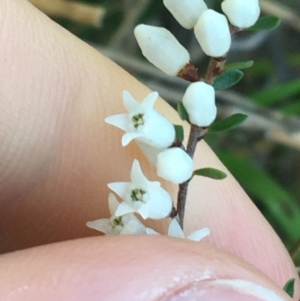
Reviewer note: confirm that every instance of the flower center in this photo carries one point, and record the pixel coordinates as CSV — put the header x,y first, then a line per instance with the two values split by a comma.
x,y
137,195
117,221
138,120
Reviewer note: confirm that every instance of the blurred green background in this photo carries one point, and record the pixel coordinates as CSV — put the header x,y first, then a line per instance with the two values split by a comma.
x,y
263,153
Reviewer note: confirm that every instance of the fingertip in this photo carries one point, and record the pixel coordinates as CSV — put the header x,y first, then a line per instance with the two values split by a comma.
x,y
125,268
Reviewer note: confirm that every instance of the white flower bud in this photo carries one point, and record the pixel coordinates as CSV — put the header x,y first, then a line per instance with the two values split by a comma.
x,y
241,13
175,165
161,48
199,102
213,34
186,12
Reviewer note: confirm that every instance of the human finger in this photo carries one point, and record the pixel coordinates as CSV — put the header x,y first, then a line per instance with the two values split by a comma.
x,y
113,268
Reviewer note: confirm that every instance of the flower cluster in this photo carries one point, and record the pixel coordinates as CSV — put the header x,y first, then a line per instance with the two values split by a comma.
x,y
157,135
211,29
141,196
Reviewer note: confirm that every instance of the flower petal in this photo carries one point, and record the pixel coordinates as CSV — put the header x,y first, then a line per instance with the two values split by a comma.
x,y
120,188
134,226
150,152
137,177
124,208
129,102
102,225
149,101
112,204
158,131
119,120
128,137
144,211
175,230
160,204
199,234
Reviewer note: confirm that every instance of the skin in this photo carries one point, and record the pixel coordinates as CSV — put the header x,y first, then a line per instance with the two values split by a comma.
x,y
57,156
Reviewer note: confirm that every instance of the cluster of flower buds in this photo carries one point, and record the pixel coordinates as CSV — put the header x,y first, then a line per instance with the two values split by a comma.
x,y
211,29
153,131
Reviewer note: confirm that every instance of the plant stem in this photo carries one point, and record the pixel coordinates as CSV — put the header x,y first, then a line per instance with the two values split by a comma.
x,y
196,134
215,67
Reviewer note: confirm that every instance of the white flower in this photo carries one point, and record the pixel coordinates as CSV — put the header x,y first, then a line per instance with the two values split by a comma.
x,y
176,231
241,13
161,48
142,196
143,123
213,34
199,102
175,165
126,224
186,12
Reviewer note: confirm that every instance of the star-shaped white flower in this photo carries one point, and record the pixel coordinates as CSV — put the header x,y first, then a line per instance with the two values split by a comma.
x,y
117,225
143,123
142,196
176,231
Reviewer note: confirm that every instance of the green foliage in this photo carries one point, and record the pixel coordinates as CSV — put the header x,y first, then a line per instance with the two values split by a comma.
x,y
239,65
295,252
266,23
283,209
182,111
289,287
179,132
276,93
227,123
227,79
210,173
292,108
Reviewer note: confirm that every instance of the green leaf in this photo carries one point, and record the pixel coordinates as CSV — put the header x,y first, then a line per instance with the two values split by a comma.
x,y
289,287
228,79
227,123
211,173
292,108
266,23
295,253
179,132
277,93
279,202
182,111
239,65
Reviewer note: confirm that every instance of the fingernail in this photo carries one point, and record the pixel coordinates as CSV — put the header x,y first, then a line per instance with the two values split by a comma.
x,y
225,290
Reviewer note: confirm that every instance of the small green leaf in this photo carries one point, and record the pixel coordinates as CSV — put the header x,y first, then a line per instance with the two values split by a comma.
x,y
239,65
179,132
210,173
266,23
228,79
182,111
227,123
289,287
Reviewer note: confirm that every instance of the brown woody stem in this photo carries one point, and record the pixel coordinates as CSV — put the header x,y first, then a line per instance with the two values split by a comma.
x,y
215,67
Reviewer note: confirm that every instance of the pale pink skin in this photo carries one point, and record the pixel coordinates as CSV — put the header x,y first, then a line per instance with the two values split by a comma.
x,y
57,156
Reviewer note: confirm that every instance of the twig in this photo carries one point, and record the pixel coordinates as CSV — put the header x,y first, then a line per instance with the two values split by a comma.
x,y
215,67
75,11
